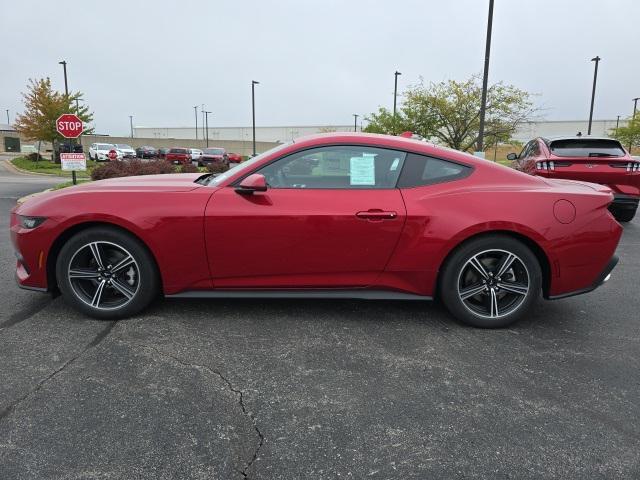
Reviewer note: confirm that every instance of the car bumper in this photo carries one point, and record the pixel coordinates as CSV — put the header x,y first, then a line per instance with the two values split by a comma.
x,y
602,278
31,247
624,202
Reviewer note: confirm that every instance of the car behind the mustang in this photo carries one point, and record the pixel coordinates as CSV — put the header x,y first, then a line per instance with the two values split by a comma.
x,y
329,216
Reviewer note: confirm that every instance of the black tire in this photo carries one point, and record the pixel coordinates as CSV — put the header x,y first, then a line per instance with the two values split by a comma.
x,y
625,215
460,277
126,286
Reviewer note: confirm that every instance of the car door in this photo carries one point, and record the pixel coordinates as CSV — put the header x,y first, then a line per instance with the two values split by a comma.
x,y
330,218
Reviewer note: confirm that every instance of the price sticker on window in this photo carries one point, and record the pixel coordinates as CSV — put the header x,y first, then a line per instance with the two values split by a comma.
x,y
362,170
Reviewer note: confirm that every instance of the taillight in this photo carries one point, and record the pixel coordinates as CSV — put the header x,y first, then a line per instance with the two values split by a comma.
x,y
633,167
545,165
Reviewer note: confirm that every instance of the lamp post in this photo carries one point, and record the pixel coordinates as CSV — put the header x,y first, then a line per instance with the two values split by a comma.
x,y
195,110
202,110
8,121
395,97
66,93
131,124
206,121
355,122
253,113
595,59
633,117
485,81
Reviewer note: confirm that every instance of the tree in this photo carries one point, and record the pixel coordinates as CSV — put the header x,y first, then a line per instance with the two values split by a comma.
x,y
43,106
629,135
449,112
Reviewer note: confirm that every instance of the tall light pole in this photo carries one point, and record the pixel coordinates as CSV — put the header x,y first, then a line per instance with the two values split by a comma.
x,y
593,91
485,80
202,110
635,107
253,112
131,124
8,121
355,122
195,110
206,121
66,93
395,97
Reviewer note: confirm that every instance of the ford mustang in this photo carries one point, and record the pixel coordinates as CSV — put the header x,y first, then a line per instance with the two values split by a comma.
x,y
342,215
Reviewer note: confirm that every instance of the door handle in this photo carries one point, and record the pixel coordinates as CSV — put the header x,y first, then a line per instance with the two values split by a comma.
x,y
376,214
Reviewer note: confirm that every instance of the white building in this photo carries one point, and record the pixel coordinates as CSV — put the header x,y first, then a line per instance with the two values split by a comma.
x,y
527,131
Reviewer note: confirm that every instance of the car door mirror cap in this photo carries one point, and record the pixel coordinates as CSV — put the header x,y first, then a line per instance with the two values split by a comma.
x,y
255,182
512,156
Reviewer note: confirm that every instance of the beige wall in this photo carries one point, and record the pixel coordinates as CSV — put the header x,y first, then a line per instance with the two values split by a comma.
x,y
236,146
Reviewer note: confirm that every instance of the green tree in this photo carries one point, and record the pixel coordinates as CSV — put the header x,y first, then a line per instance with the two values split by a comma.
x,y
43,106
449,112
629,134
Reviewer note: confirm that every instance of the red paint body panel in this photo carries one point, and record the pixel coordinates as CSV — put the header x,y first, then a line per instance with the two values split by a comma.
x,y
205,237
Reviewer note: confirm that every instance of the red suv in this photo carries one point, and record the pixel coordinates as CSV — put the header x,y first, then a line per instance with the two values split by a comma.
x,y
596,160
179,156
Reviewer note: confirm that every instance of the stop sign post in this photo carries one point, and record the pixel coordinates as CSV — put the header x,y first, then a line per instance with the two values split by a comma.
x,y
69,125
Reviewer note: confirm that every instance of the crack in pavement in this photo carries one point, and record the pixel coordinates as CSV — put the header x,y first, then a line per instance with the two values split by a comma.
x,y
239,393
93,343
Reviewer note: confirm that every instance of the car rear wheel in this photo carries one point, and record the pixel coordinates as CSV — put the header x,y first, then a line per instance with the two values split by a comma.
x,y
491,281
624,215
106,273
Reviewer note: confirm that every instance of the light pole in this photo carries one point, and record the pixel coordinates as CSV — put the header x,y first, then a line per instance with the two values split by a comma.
x,y
66,93
202,110
8,121
253,112
355,122
206,121
131,124
395,97
195,110
593,91
635,107
485,80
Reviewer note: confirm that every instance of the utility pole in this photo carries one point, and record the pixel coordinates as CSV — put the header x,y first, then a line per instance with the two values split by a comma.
x,y
8,121
206,121
202,110
131,124
635,107
395,97
66,93
593,91
195,110
355,122
485,81
253,112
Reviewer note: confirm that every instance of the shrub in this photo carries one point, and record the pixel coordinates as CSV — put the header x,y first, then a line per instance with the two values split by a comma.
x,y
217,168
189,168
131,168
34,157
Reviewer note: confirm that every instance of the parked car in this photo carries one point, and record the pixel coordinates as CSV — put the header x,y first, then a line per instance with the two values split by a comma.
x,y
214,155
234,157
179,156
146,152
343,215
590,159
162,152
126,150
195,153
100,152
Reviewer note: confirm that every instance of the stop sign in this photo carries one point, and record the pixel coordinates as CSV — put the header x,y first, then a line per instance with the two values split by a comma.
x,y
113,155
69,125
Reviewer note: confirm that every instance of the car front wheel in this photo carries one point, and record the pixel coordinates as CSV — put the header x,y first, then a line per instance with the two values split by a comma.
x,y
491,281
106,273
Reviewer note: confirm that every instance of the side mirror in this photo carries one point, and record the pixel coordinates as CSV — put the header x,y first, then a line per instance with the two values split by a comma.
x,y
512,156
253,183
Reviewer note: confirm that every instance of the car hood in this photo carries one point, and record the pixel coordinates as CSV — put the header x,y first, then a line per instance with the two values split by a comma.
x,y
173,182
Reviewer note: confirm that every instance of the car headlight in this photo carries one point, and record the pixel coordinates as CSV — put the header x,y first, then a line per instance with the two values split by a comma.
x,y
30,222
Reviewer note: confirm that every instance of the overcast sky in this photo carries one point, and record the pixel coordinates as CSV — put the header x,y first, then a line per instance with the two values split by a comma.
x,y
318,62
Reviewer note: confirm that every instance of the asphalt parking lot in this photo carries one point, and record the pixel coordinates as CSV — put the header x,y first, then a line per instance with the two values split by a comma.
x,y
318,389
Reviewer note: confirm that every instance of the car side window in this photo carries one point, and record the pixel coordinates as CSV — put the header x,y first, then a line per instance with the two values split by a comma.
x,y
336,167
525,151
535,149
420,170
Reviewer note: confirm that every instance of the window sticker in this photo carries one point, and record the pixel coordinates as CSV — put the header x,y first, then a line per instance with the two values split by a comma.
x,y
394,165
362,170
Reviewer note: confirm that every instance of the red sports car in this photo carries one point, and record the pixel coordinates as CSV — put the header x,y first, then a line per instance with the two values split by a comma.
x,y
590,159
234,157
330,216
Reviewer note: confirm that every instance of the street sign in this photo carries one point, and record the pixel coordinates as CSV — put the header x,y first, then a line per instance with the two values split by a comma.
x,y
113,155
69,125
73,161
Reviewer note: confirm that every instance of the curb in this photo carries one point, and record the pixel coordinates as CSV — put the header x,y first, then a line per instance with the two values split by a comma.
x,y
22,171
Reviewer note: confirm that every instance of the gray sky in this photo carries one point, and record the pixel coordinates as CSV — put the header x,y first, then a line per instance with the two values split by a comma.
x,y
318,62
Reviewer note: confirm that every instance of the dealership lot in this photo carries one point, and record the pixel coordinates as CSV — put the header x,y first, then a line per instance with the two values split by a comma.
x,y
317,389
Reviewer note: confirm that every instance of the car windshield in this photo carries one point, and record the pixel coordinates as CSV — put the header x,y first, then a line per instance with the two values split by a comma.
x,y
122,145
105,146
586,147
214,151
177,150
248,165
